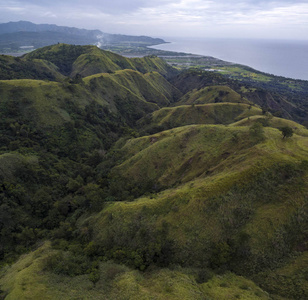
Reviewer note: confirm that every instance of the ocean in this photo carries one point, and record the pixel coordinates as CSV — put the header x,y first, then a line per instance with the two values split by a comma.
x,y
287,58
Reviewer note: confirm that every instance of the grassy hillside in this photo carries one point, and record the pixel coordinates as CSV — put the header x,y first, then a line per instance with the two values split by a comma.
x,y
232,203
97,61
149,87
93,205
274,122
58,61
61,55
17,68
89,60
43,104
287,103
30,278
216,113
212,94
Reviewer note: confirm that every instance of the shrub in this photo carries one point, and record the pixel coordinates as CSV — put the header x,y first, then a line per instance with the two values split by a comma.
x,y
67,263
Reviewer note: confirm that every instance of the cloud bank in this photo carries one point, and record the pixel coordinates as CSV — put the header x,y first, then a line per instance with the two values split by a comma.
x,y
195,18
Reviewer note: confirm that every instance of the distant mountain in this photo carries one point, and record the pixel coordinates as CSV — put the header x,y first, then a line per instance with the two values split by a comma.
x,y
12,27
14,35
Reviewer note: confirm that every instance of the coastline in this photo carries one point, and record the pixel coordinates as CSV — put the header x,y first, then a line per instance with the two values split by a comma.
x,y
278,58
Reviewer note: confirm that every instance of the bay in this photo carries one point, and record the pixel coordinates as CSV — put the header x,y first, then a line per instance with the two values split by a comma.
x,y
287,58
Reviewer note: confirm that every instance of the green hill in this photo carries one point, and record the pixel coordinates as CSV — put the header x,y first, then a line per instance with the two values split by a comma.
x,y
44,104
122,179
17,68
149,87
243,211
58,61
273,122
26,279
89,60
230,201
216,113
283,98
213,94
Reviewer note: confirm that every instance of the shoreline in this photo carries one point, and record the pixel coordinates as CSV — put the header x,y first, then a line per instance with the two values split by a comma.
x,y
275,60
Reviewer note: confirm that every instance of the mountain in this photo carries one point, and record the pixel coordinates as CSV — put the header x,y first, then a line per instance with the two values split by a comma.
x,y
24,26
14,35
56,61
282,97
124,178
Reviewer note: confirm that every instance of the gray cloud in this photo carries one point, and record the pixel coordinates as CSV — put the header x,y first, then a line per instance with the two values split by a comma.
x,y
106,6
168,17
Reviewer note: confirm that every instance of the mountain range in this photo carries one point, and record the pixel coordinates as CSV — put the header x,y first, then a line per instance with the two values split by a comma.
x,y
127,178
14,35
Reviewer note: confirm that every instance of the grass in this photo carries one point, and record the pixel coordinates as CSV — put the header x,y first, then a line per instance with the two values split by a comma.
x,y
273,122
230,286
145,87
157,162
212,94
201,151
40,101
214,113
27,279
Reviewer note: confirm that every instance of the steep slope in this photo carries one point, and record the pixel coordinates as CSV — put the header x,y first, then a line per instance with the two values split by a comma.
x,y
150,87
127,100
52,137
276,103
189,80
153,63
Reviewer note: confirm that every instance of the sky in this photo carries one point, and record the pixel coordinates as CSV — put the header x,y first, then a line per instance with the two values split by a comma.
x,y
280,19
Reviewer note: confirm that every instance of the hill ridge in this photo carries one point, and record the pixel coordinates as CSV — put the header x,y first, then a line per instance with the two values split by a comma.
x,y
121,179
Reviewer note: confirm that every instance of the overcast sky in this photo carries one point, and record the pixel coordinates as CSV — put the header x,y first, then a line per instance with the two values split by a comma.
x,y
166,18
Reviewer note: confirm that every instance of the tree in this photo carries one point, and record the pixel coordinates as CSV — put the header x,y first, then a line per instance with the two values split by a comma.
x,y
256,131
286,131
